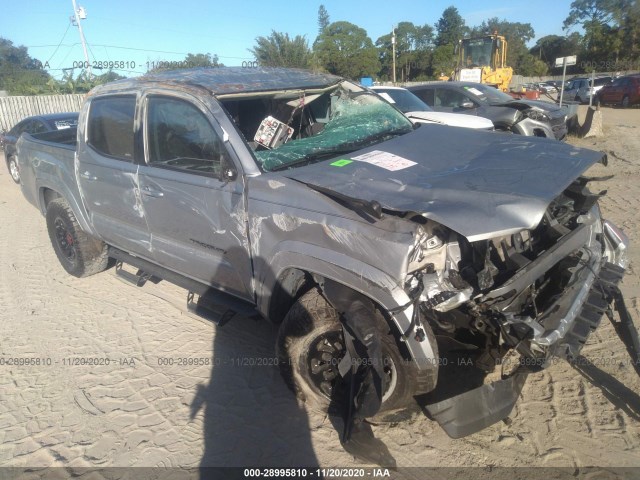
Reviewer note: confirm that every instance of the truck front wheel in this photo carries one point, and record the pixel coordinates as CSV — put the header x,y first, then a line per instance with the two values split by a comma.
x,y
80,254
310,346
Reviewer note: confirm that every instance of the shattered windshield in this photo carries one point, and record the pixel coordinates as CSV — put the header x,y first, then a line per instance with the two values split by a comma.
x,y
314,127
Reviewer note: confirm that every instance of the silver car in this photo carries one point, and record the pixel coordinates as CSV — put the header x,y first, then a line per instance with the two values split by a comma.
x,y
580,89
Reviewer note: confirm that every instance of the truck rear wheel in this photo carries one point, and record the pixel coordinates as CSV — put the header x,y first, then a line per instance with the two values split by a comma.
x,y
311,344
80,254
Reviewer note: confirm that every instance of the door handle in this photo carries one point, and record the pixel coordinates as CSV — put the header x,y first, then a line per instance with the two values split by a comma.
x,y
152,192
87,176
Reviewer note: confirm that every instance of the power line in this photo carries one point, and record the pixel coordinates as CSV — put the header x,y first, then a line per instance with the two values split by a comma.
x,y
61,40
136,49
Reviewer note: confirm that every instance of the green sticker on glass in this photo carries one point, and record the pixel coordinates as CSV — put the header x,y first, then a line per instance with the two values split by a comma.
x,y
341,163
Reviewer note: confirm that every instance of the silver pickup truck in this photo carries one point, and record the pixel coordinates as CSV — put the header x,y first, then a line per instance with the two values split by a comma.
x,y
308,200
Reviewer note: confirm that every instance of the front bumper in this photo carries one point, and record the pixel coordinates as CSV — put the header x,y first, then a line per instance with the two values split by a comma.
x,y
536,128
481,407
561,331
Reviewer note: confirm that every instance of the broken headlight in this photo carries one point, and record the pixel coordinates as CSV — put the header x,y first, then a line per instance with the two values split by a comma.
x,y
539,115
429,251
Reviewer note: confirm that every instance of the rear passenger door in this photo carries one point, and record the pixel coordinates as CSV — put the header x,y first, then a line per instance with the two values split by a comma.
x,y
194,208
108,174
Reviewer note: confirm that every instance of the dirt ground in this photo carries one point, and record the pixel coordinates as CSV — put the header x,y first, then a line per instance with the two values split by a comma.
x,y
174,390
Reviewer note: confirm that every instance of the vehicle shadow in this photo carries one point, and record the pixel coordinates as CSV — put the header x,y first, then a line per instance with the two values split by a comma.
x,y
617,393
251,418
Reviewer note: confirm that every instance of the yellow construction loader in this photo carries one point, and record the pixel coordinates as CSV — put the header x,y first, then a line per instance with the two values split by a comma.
x,y
483,60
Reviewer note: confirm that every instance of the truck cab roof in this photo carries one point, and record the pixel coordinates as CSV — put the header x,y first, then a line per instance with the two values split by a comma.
x,y
229,80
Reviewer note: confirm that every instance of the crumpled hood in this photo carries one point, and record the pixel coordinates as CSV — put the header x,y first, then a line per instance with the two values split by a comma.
x,y
479,184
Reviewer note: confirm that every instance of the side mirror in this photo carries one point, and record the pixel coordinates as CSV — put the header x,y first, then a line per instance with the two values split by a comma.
x,y
229,174
467,105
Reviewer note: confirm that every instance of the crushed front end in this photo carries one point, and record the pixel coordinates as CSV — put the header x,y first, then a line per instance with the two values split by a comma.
x,y
530,296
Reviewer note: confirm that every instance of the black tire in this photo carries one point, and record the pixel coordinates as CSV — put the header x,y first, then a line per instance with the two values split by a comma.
x,y
12,165
625,102
312,328
79,254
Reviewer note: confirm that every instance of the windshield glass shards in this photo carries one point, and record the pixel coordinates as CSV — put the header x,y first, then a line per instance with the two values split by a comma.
x,y
313,127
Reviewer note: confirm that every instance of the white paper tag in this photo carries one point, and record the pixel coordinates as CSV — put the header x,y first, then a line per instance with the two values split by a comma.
x,y
475,91
385,160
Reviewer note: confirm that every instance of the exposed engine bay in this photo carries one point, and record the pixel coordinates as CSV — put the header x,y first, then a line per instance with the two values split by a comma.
x,y
518,292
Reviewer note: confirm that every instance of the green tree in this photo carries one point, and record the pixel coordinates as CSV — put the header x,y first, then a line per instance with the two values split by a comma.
x,y
413,47
323,19
20,74
443,60
601,21
278,50
345,49
631,35
550,47
450,27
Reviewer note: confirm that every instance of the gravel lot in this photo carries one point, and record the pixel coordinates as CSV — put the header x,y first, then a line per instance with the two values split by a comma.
x,y
171,389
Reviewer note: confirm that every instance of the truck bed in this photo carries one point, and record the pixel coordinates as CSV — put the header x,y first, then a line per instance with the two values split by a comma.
x,y
46,160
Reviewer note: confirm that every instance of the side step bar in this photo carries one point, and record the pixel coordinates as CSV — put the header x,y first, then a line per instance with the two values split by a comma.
x,y
211,304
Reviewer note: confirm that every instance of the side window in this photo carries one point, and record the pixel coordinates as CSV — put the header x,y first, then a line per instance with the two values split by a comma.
x,y
426,96
450,98
179,136
36,127
111,126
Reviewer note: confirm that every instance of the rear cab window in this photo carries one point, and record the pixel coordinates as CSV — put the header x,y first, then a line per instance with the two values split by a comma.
x,y
110,126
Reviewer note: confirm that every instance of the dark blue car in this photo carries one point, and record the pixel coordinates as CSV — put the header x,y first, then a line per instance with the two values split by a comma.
x,y
31,125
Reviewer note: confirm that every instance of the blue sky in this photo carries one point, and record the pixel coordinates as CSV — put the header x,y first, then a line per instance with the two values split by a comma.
x,y
144,31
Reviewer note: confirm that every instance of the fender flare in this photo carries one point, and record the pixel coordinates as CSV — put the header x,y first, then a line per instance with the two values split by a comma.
x,y
362,278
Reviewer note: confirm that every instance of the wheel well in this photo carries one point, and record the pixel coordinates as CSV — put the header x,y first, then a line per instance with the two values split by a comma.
x,y
47,196
291,284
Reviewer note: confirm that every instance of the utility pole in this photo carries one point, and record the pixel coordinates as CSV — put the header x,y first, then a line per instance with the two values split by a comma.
x,y
84,43
393,46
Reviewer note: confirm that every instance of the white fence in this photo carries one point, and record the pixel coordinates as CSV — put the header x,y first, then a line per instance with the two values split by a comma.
x,y
14,109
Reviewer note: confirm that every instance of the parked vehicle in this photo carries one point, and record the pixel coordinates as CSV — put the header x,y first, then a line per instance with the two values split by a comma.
x,y
580,89
310,201
525,117
624,91
547,87
32,125
419,112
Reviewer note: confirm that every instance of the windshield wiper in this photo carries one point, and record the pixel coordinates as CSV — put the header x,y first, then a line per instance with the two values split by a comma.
x,y
314,156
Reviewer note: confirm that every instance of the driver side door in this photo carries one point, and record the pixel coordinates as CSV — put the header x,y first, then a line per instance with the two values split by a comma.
x,y
195,216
